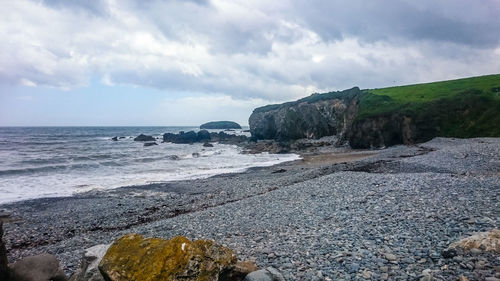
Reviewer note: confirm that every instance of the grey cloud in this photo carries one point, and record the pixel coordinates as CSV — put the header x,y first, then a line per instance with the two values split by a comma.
x,y
421,20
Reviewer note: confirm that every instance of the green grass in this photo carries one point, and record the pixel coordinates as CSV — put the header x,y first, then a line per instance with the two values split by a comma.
x,y
413,97
467,107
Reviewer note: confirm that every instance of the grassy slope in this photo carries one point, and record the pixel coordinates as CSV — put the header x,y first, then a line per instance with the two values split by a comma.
x,y
460,108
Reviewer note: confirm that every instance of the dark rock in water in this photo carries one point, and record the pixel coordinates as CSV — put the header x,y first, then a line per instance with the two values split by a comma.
x,y
121,137
150,143
43,267
195,154
4,271
227,138
114,138
312,117
173,157
203,135
143,137
221,125
189,137
169,137
207,144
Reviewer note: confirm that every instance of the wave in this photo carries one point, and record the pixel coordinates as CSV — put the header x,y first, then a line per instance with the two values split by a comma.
x,y
50,168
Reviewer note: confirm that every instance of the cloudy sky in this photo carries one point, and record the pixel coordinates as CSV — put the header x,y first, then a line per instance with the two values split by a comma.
x,y
148,62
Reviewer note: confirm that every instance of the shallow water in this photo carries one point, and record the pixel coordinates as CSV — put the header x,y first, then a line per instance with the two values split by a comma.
x,y
40,162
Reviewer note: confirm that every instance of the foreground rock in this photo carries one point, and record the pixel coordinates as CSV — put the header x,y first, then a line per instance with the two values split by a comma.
x,y
134,257
89,270
43,267
221,125
488,241
143,137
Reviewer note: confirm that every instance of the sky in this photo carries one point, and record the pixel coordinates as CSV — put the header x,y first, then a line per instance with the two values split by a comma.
x,y
165,63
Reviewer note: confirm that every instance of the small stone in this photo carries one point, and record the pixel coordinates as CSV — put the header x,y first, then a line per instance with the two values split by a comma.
x,y
384,276
384,268
463,278
390,257
449,253
491,278
366,274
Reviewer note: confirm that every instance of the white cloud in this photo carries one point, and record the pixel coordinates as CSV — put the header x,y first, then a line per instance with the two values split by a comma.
x,y
244,50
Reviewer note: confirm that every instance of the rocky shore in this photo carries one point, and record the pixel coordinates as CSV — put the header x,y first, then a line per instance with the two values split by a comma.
x,y
336,215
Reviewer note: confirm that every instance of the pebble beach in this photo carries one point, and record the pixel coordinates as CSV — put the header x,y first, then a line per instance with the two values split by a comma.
x,y
365,215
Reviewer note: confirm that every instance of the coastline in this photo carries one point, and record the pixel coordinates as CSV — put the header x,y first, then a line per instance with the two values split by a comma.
x,y
263,212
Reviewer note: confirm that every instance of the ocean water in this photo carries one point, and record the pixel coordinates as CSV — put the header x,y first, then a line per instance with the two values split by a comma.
x,y
38,162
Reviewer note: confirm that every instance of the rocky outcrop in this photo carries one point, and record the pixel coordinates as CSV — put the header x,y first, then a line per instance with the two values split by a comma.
x,y
221,125
134,257
312,117
202,136
43,267
143,137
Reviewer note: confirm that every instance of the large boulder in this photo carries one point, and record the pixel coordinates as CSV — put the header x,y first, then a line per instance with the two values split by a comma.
x,y
4,270
44,267
133,257
221,125
203,135
89,270
189,137
143,137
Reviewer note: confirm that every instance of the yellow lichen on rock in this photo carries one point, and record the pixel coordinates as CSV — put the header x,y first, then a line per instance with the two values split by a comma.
x,y
489,241
134,258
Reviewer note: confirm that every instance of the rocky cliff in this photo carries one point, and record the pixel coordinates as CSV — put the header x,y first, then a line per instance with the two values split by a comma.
x,y
377,118
312,117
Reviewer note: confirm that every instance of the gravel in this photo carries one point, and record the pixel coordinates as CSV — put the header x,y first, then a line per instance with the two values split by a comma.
x,y
387,217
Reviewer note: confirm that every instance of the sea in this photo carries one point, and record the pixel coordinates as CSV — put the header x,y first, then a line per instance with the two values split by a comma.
x,y
38,162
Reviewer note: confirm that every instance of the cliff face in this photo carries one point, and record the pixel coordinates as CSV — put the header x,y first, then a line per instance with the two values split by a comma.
x,y
463,108
312,117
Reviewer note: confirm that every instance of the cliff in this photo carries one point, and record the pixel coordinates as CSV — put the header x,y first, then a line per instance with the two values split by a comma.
x,y
312,117
370,118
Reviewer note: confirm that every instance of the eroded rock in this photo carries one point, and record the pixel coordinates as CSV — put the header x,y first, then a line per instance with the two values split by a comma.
x,y
134,257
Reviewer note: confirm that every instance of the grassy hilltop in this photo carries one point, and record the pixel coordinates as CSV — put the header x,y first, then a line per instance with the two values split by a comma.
x,y
468,107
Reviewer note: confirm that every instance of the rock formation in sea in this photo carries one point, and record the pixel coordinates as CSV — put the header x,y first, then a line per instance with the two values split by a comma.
x,y
203,136
143,137
221,125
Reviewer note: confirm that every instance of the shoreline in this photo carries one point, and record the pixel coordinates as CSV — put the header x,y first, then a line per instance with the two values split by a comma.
x,y
239,209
